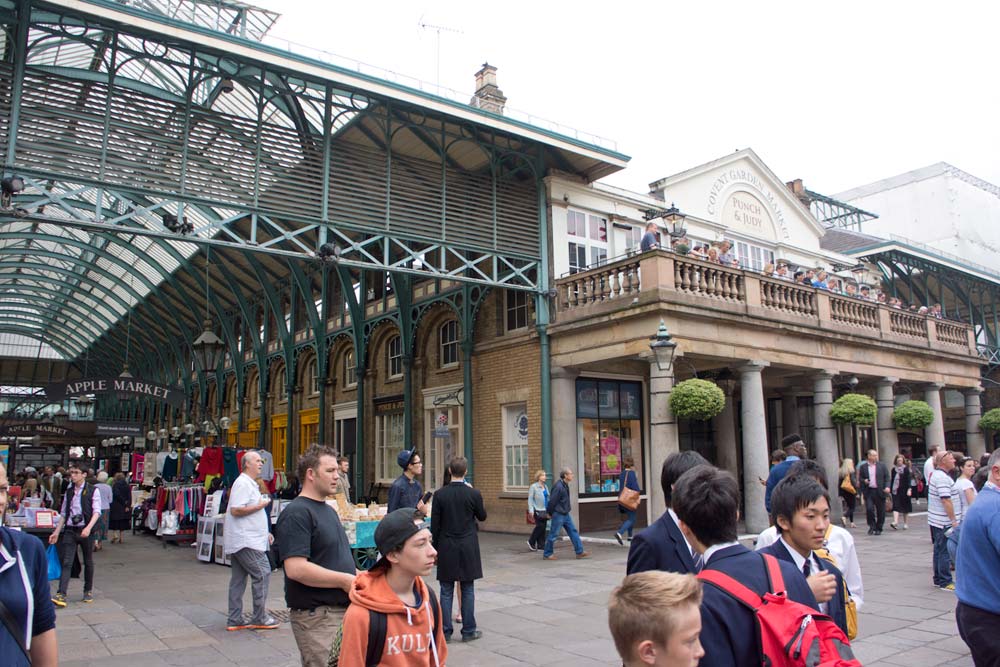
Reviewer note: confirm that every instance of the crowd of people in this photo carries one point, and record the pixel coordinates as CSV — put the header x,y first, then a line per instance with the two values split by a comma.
x,y
721,252
689,558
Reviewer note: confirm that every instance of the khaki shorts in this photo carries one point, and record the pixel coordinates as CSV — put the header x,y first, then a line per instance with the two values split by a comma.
x,y
314,632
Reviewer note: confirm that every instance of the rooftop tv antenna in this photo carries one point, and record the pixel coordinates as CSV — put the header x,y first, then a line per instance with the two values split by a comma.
x,y
438,29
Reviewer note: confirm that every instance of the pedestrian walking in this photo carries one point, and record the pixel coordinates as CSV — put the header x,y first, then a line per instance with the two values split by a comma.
x,y
559,509
848,491
628,479
941,517
80,512
319,567
247,541
873,478
455,512
538,501
344,480
795,450
965,493
406,490
104,489
120,516
901,491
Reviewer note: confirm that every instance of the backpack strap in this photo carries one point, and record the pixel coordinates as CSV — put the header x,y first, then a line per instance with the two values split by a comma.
x,y
432,599
376,637
732,587
776,583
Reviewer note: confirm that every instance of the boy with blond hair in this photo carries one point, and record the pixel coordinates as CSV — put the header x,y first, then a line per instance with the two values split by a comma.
x,y
655,619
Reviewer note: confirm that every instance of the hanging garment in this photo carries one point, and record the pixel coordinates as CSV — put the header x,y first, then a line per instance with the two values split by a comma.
x,y
230,469
169,473
211,463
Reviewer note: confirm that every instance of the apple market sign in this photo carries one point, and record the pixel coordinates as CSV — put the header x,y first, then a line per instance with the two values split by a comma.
x,y
58,391
743,211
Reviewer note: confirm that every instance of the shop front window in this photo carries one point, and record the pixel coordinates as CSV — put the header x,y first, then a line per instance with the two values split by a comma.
x,y
609,429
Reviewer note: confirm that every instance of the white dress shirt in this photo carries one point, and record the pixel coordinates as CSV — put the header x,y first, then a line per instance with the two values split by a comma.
x,y
800,560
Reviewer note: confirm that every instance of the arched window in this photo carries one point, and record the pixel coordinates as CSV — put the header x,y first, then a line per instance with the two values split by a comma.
x,y
350,370
448,342
395,350
279,384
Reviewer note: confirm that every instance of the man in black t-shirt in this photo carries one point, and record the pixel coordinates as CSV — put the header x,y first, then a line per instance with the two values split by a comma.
x,y
319,567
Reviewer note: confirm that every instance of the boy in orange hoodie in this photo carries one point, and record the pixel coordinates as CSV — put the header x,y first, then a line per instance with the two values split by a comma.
x,y
414,635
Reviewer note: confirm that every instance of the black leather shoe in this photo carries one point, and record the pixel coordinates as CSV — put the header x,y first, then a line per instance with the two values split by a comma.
x,y
871,531
473,637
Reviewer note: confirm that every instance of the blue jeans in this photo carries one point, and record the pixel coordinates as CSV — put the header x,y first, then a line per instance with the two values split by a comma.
x,y
942,563
628,524
468,607
953,545
560,521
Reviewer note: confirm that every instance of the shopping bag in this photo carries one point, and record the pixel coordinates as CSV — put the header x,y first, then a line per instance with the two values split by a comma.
x,y
55,566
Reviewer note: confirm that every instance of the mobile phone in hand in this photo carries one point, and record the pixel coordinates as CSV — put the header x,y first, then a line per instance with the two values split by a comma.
x,y
427,496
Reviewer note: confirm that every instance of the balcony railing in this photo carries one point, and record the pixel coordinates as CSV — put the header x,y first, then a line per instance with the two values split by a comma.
x,y
629,280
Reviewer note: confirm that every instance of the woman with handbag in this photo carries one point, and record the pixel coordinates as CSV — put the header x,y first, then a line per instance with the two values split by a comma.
x,y
538,500
628,499
848,491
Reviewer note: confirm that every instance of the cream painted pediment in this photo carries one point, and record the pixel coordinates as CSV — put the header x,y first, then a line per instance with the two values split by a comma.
x,y
740,193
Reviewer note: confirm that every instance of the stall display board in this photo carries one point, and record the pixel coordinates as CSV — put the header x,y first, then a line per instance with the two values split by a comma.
x,y
205,538
221,557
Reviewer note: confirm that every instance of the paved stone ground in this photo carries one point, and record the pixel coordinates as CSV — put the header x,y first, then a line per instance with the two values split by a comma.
x,y
160,606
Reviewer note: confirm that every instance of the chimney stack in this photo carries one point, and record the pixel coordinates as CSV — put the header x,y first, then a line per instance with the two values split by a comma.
x,y
799,190
488,96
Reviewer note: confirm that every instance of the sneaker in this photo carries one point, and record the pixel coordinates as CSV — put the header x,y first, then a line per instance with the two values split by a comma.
x,y
270,623
532,546
619,538
88,597
59,600
472,636
583,554
234,628
552,557
947,587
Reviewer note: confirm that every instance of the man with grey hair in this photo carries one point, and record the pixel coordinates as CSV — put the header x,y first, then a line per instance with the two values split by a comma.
x,y
247,540
559,509
978,588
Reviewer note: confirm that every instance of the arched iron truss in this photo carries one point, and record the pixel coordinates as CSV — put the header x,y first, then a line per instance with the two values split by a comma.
x,y
919,275
144,141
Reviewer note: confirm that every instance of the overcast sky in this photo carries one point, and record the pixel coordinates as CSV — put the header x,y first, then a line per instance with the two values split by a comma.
x,y
838,94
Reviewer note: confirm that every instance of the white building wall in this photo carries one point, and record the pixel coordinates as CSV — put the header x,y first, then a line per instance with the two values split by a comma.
x,y
940,206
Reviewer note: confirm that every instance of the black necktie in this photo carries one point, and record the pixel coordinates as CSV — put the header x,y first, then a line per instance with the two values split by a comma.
x,y
805,569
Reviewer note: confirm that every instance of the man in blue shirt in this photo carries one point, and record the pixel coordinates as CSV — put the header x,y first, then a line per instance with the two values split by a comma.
x,y
977,585
24,586
796,451
649,240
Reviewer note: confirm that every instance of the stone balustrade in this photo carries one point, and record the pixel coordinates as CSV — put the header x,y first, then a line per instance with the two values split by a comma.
x,y
635,281
612,281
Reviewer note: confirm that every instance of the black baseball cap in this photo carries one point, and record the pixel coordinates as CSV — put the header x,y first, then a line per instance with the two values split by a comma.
x,y
393,531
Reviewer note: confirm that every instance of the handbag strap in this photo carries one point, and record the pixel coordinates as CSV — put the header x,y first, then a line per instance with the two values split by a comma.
x,y
11,624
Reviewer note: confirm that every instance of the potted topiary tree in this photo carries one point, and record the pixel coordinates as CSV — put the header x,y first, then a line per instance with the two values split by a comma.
x,y
697,399
854,409
913,414
990,421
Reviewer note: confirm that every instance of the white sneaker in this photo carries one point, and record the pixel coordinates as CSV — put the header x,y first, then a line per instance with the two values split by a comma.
x,y
531,546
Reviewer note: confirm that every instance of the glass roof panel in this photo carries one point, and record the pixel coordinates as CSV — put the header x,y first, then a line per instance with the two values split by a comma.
x,y
19,345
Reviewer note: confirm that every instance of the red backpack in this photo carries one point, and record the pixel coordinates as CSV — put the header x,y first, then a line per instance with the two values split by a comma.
x,y
790,634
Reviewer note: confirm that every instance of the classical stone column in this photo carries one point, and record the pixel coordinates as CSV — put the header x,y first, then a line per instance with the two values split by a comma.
x,y
789,412
663,439
724,425
825,435
564,445
975,443
934,434
755,452
885,435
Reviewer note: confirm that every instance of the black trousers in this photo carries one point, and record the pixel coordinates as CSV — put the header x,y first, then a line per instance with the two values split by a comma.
x,y
68,542
537,538
875,508
979,629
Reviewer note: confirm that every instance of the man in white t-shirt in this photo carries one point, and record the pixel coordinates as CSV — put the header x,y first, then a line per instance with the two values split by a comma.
x,y
941,517
247,540
929,464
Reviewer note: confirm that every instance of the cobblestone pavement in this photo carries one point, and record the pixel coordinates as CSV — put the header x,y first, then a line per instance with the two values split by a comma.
x,y
160,606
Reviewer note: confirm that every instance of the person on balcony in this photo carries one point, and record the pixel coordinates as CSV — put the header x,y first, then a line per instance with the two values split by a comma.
x,y
649,239
725,253
713,254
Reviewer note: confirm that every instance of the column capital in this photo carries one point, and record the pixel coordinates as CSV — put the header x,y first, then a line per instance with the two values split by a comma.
x,y
825,374
934,386
753,366
886,381
973,391
563,373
